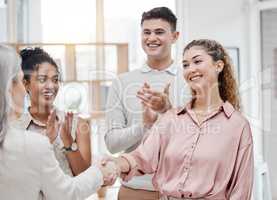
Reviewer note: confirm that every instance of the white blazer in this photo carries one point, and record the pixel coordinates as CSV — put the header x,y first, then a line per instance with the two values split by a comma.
x,y
28,166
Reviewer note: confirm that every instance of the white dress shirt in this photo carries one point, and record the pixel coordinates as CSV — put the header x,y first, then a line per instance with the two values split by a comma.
x,y
28,167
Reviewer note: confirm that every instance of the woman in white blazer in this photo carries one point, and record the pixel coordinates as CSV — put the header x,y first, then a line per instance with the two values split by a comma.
x,y
28,165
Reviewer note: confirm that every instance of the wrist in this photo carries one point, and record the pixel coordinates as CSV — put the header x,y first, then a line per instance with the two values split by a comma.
x,y
72,148
68,142
147,126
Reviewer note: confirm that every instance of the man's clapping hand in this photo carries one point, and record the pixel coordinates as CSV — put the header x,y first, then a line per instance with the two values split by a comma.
x,y
156,100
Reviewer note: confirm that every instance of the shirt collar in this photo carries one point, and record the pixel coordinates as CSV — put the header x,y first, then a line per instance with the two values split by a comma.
x,y
226,107
26,119
172,69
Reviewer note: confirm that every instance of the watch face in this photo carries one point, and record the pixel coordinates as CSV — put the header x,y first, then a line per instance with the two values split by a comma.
x,y
74,146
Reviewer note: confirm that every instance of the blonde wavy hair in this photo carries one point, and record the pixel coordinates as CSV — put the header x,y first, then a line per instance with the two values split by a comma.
x,y
227,84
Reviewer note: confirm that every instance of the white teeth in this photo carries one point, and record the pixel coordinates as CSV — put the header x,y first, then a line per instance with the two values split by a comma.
x,y
50,94
153,45
195,78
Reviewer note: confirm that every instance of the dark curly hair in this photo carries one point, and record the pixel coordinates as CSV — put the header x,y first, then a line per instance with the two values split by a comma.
x,y
32,58
227,84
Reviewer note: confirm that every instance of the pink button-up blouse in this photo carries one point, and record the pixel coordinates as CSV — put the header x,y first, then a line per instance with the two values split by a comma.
x,y
211,160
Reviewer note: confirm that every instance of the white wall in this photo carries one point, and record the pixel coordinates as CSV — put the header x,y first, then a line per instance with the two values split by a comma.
x,y
224,21
269,33
33,21
3,27
31,27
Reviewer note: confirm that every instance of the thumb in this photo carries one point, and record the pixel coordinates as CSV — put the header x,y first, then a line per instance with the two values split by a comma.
x,y
166,89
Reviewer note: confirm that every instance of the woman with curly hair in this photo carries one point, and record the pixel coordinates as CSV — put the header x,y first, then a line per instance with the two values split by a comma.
x,y
42,82
205,149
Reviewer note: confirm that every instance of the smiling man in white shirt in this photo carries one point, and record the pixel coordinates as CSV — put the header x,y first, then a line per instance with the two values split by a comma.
x,y
126,125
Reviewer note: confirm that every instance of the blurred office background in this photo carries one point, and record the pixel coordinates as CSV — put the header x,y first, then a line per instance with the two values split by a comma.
x,y
94,40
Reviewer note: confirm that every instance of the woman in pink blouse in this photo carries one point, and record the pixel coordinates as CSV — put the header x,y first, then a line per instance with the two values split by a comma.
x,y
204,150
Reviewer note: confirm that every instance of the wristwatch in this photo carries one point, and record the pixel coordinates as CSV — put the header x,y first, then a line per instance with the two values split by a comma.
x,y
72,148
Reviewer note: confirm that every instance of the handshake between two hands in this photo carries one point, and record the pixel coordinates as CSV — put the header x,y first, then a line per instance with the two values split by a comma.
x,y
111,169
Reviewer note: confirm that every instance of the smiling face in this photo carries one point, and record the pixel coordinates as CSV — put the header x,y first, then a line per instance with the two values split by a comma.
x,y
157,38
43,85
200,70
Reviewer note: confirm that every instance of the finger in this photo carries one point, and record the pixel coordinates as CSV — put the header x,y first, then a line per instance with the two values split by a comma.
x,y
52,117
107,159
70,121
146,85
144,92
166,89
143,98
58,127
152,92
113,180
146,105
65,124
140,92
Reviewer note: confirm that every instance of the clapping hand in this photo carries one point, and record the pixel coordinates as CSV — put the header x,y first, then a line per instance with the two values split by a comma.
x,y
157,101
66,127
52,126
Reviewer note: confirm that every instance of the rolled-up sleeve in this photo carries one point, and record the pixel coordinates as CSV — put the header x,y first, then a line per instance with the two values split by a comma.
x,y
242,181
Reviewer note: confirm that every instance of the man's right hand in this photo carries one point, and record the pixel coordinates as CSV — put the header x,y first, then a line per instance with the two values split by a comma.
x,y
157,101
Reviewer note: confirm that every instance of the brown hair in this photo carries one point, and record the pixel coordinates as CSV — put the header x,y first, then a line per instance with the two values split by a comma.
x,y
227,85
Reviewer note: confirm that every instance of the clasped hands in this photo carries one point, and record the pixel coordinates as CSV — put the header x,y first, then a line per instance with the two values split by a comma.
x,y
112,168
